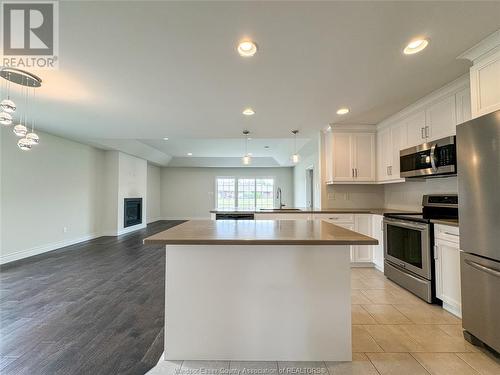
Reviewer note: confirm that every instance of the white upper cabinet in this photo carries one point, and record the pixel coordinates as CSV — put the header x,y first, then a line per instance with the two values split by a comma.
x,y
485,85
364,156
384,154
353,157
415,124
343,163
399,136
390,141
328,158
484,75
440,119
462,100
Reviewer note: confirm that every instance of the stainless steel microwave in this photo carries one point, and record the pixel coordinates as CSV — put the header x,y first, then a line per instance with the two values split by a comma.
x,y
436,158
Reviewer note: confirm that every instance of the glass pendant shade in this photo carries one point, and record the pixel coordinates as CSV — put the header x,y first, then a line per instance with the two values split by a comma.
x,y
24,144
33,138
295,158
5,119
246,160
8,106
20,130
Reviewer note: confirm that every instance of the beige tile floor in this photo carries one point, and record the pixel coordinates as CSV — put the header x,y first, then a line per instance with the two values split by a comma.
x,y
393,333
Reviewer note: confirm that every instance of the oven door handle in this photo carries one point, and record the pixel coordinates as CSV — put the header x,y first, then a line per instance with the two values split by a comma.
x,y
433,157
406,224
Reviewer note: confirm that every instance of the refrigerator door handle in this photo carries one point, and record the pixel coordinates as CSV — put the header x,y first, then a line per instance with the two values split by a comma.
x,y
480,267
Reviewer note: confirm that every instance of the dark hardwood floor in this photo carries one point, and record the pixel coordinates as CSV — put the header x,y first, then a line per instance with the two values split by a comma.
x,y
92,308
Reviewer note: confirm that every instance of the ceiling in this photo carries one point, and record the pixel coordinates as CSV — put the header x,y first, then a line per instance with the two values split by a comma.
x,y
132,73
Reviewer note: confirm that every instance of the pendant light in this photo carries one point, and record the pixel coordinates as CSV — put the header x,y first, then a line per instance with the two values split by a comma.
x,y
21,130
7,106
5,119
32,137
246,159
295,157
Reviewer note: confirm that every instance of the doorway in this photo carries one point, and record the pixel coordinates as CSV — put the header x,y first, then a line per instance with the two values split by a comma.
x,y
310,187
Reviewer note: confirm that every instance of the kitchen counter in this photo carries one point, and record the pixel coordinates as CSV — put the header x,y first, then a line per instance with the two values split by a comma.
x,y
374,211
258,290
259,232
450,222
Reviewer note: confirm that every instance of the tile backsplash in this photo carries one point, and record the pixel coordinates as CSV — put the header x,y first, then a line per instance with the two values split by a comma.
x,y
408,195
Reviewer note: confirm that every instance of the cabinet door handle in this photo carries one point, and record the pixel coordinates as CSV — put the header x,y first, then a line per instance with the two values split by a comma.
x,y
436,251
356,170
388,171
352,170
426,132
422,132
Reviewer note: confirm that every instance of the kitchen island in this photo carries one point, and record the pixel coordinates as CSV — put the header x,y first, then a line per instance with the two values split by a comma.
x,y
258,290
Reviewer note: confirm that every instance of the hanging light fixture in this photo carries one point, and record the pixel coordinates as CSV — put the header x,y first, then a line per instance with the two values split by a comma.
x,y
32,137
24,144
5,119
295,157
7,106
247,159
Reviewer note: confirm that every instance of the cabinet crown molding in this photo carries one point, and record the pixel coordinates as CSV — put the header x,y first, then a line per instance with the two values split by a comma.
x,y
480,49
435,96
353,128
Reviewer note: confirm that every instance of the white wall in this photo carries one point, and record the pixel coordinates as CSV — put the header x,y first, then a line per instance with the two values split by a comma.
x,y
153,198
56,185
189,192
309,158
408,195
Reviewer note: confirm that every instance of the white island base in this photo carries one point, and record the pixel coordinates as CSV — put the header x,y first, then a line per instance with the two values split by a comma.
x,y
258,302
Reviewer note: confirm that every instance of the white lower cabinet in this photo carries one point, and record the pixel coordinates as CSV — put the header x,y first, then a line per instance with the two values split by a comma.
x,y
378,234
447,263
362,253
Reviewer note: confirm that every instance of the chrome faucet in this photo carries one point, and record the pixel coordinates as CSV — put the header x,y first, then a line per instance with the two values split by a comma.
x,y
279,196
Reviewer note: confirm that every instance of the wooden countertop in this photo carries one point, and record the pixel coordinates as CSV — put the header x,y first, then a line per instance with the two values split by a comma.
x,y
259,232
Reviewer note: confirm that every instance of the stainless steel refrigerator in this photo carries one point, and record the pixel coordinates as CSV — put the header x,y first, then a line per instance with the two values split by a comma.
x,y
478,165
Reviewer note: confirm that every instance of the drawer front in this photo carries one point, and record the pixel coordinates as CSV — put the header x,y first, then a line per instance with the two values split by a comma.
x,y
447,233
343,218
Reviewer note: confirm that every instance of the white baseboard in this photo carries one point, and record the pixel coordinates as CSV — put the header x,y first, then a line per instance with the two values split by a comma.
x,y
362,264
455,310
119,232
45,248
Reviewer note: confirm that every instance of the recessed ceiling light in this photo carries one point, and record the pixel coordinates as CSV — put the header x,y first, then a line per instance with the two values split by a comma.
x,y
190,154
415,46
165,139
248,112
342,111
247,48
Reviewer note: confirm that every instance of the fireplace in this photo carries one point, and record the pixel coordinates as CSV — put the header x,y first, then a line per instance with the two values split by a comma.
x,y
132,212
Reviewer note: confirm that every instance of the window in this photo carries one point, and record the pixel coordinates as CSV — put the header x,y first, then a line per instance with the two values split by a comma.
x,y
244,193
226,196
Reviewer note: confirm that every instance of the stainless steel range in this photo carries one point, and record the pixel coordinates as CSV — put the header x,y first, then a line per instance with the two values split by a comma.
x,y
409,244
